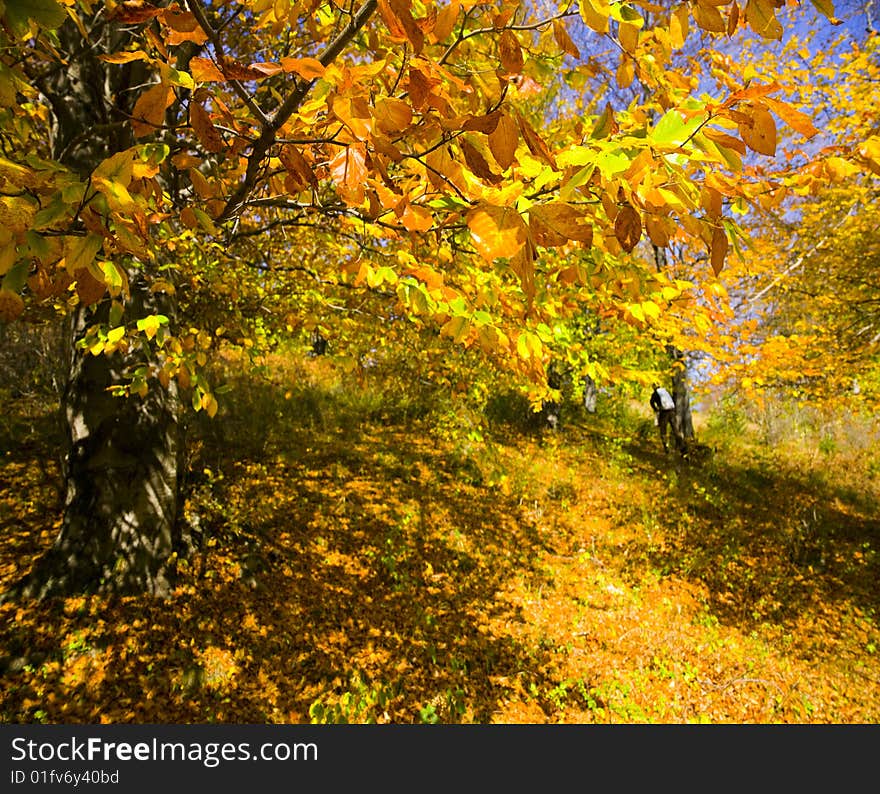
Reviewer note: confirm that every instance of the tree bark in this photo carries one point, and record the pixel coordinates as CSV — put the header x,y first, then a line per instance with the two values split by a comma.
x,y
119,528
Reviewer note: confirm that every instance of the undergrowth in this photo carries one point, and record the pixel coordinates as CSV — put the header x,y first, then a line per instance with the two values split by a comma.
x,y
373,553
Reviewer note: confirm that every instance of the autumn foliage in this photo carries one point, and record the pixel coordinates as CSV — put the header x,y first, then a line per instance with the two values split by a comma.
x,y
488,210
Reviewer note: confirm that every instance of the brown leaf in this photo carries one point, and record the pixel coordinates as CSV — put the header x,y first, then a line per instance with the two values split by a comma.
x,y
733,19
720,245
204,128
134,12
419,87
235,70
628,227
486,124
149,110
89,289
11,305
709,18
657,228
476,162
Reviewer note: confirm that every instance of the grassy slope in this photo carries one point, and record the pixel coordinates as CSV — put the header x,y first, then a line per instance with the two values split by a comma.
x,y
361,563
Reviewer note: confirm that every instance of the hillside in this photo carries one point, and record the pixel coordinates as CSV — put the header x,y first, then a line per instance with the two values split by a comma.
x,y
360,558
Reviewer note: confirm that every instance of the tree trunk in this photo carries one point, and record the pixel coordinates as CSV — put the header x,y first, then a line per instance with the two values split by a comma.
x,y
120,515
121,467
681,394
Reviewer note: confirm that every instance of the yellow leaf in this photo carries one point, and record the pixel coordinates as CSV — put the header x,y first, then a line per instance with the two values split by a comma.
x,y
628,35
761,16
595,14
626,72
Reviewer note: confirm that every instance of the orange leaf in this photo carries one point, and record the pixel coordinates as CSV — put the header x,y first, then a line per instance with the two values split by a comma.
x,y
799,122
204,71
149,110
503,141
400,9
307,68
183,27
392,115
416,219
758,130
349,170
204,128
560,33
496,231
510,52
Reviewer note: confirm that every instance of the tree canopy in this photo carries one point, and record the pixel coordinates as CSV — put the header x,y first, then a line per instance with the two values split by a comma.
x,y
528,181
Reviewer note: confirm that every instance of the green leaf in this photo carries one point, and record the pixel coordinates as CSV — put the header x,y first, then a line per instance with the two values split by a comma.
x,y
80,251
673,130
16,276
46,13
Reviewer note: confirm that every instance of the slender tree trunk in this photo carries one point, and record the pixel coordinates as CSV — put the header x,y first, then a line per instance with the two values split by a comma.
x,y
681,394
121,467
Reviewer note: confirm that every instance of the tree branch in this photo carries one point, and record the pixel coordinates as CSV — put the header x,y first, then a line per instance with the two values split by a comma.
x,y
270,127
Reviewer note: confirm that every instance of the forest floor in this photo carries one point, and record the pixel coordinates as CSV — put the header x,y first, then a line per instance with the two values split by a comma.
x,y
363,564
